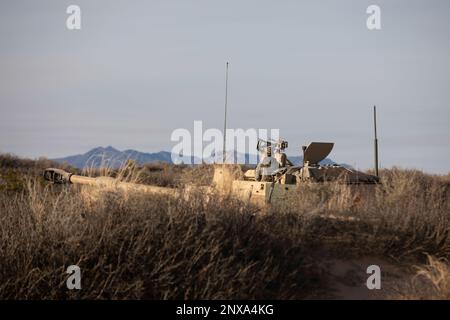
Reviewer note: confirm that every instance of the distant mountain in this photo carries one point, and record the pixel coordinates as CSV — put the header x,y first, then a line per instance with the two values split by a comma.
x,y
111,157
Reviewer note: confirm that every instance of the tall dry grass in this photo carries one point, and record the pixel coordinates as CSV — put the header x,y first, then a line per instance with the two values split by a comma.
x,y
131,246
431,281
407,216
140,247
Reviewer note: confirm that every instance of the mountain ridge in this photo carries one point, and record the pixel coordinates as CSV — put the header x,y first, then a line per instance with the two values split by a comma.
x,y
112,157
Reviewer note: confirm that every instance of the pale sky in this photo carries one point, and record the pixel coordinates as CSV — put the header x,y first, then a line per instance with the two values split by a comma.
x,y
137,70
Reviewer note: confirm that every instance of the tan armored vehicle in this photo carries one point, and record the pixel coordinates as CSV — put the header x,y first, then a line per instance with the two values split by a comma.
x,y
273,179
276,178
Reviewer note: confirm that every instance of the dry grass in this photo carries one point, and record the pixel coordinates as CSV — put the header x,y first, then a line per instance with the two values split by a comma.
x,y
159,174
131,246
140,247
431,281
408,216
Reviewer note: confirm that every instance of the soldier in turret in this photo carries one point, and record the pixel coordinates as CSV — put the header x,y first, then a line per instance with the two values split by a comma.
x,y
266,167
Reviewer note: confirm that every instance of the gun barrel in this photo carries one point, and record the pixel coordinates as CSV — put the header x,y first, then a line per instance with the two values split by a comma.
x,y
76,179
59,176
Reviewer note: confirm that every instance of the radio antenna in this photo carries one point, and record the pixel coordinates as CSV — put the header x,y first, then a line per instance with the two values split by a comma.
x,y
375,139
225,118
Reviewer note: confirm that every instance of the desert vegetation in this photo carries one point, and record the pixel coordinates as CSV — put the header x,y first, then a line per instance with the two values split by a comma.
x,y
132,246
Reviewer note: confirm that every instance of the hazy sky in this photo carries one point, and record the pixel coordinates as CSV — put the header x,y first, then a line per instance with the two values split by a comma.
x,y
137,70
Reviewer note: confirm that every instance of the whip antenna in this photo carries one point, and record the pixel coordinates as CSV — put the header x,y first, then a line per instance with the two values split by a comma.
x,y
376,139
225,118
